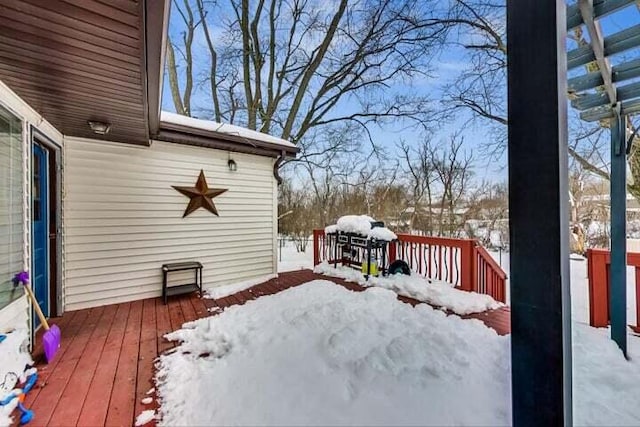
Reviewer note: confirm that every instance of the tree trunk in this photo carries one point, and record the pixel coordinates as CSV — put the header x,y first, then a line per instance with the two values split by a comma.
x,y
173,78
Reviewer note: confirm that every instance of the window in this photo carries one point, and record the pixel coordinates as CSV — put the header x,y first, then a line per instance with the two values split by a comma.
x,y
11,205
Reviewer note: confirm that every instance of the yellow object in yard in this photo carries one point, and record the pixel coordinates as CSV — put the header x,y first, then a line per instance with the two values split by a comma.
x,y
374,267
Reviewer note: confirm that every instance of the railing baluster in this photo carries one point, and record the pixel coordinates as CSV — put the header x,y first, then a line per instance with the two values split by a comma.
x,y
451,264
458,255
420,249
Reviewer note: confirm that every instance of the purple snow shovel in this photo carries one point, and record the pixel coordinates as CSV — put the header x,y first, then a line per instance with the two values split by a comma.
x,y
51,337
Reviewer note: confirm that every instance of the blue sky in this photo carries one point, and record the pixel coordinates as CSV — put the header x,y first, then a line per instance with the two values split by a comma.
x,y
446,66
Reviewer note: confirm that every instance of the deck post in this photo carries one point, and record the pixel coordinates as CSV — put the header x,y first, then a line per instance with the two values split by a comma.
x,y
316,246
467,282
618,269
393,253
539,213
598,288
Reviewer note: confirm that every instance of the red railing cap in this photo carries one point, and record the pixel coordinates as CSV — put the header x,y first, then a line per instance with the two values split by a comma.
x,y
633,258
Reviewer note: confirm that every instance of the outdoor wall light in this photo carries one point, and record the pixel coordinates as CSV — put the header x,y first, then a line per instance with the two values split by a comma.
x,y
233,166
100,128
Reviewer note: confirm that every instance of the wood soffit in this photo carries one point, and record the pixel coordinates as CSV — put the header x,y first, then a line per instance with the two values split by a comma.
x,y
80,60
76,61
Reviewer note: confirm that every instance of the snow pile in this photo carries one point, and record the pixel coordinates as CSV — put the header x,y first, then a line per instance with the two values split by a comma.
x,y
606,386
329,229
14,358
216,292
382,233
434,292
360,224
319,354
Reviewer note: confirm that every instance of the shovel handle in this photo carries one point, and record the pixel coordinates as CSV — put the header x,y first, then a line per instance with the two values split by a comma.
x,y
43,320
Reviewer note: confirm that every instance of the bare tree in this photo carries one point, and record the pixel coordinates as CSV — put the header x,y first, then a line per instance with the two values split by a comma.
x,y
289,67
481,88
182,97
438,177
453,169
421,176
486,218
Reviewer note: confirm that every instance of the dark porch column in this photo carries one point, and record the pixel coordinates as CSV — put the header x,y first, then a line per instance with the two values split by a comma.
x,y
618,270
539,214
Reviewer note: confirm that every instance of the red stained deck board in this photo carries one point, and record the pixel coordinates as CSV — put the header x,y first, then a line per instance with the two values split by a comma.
x,y
259,291
70,404
44,370
60,372
176,316
96,405
225,302
105,365
163,326
147,354
209,302
199,307
144,382
121,404
148,325
187,308
270,287
246,296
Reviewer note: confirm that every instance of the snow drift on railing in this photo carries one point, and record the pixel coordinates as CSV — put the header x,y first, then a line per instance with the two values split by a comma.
x,y
434,292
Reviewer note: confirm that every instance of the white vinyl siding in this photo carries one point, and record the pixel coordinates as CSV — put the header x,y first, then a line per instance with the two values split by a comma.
x,y
123,219
11,205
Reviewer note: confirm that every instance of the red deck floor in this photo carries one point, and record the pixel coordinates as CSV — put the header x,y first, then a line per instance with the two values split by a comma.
x,y
104,367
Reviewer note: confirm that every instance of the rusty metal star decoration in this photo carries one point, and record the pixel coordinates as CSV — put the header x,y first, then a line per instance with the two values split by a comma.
x,y
201,196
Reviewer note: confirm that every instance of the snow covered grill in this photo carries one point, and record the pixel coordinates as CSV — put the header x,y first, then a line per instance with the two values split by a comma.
x,y
359,241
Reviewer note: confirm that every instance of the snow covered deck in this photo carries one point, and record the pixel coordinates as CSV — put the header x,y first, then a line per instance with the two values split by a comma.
x,y
104,368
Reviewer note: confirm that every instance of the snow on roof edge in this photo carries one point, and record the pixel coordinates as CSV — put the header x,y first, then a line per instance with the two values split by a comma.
x,y
222,128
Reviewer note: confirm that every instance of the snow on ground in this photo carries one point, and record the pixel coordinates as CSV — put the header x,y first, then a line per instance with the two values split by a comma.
x,y
216,292
14,358
319,354
605,385
434,292
289,259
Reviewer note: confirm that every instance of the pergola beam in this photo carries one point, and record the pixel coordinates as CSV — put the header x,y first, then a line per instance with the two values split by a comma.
x,y
624,93
600,8
606,112
619,73
597,44
615,43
